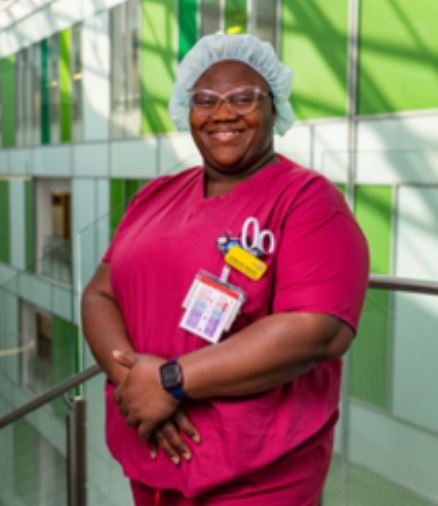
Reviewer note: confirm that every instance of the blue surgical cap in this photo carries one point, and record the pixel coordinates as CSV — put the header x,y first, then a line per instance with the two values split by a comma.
x,y
245,48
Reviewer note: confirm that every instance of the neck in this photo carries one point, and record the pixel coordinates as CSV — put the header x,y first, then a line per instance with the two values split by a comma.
x,y
218,182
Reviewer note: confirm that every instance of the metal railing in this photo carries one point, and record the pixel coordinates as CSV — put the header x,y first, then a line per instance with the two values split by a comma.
x,y
76,440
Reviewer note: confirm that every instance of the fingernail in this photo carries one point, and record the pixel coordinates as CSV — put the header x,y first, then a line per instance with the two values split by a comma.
x,y
196,438
153,455
175,460
187,455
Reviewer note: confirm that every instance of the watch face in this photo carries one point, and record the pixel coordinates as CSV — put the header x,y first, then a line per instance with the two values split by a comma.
x,y
171,375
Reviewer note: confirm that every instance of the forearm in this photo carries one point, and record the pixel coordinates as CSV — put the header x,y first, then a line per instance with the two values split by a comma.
x,y
105,332
268,353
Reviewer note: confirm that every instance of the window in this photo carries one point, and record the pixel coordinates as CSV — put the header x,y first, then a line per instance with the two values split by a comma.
x,y
50,346
35,70
36,332
77,82
23,98
54,88
211,14
259,17
125,79
53,237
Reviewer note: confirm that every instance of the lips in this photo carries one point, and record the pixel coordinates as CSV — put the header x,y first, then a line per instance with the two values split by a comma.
x,y
225,135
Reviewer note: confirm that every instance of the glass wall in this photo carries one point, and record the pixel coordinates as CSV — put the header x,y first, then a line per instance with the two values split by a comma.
x,y
24,98
125,79
35,94
76,59
54,88
241,16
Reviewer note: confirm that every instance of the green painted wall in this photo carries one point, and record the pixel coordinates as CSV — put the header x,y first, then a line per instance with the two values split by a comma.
x,y
398,55
158,59
121,192
314,44
4,221
370,371
65,85
188,29
7,74
45,93
235,16
29,213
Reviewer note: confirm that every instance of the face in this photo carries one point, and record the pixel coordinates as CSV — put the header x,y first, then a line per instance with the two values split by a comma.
x,y
232,143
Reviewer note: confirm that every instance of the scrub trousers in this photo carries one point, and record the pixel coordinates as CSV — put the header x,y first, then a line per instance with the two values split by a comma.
x,y
295,480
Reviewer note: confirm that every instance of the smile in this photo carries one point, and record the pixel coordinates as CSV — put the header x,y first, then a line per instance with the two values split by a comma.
x,y
226,135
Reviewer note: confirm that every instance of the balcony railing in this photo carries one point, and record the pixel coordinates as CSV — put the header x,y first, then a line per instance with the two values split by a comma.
x,y
385,450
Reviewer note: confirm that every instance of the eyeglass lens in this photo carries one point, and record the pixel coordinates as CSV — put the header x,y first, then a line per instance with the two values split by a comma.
x,y
240,101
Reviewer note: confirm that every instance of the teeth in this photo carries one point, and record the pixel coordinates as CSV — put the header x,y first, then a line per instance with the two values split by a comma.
x,y
224,136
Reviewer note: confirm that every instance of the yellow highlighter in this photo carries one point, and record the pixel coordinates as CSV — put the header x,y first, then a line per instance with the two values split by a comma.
x,y
244,262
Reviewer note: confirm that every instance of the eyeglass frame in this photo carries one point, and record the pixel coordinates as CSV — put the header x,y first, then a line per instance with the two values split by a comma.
x,y
223,98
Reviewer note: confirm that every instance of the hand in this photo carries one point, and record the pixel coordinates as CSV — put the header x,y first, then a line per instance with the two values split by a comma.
x,y
142,400
169,438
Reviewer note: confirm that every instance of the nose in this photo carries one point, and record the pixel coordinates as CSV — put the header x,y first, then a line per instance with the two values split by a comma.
x,y
223,112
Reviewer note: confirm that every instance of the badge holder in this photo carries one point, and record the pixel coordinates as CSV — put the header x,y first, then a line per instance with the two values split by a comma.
x,y
211,306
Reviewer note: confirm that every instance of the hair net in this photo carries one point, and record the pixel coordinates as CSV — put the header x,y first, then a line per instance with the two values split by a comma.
x,y
245,48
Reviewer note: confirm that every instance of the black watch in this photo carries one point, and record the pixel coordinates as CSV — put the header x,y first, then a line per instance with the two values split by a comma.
x,y
172,380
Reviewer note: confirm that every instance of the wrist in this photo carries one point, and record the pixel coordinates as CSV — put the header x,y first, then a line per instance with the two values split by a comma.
x,y
171,379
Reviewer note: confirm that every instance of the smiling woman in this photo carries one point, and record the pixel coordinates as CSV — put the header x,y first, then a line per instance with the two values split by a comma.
x,y
230,349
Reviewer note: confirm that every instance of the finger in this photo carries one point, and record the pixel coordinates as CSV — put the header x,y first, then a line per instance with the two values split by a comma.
x,y
173,437
186,426
117,397
144,431
125,358
164,444
132,420
153,448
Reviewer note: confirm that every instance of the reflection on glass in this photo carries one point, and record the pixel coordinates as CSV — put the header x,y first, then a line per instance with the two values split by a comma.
x,y
35,94
210,16
125,78
266,20
77,82
54,88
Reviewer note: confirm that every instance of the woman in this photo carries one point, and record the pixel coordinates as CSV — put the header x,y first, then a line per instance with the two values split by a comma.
x,y
252,253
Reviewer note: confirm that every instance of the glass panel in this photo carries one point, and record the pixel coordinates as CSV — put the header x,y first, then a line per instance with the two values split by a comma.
x,y
132,71
54,89
266,20
36,94
118,71
19,69
27,98
210,16
77,82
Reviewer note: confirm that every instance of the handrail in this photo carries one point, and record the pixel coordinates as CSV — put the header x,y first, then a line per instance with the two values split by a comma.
x,y
375,281
50,395
403,284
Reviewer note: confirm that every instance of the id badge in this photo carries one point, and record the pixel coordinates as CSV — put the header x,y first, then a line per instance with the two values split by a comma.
x,y
211,307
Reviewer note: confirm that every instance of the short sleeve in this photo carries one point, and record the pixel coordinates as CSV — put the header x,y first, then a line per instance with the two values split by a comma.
x,y
322,262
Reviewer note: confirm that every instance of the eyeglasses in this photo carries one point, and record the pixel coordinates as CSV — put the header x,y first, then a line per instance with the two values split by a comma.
x,y
240,101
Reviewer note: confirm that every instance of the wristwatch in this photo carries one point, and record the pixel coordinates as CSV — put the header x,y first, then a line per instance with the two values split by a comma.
x,y
172,380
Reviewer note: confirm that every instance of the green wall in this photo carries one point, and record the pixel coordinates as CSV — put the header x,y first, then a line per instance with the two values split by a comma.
x,y
121,192
7,74
25,462
65,85
188,29
4,221
370,368
158,59
398,55
314,44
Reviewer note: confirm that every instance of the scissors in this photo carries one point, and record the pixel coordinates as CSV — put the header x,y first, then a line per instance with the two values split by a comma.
x,y
262,242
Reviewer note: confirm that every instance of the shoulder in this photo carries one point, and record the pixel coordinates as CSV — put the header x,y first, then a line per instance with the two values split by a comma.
x,y
168,182
301,190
